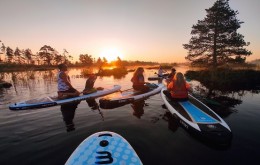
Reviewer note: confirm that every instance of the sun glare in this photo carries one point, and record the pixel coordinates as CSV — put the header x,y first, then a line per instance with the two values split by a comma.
x,y
111,54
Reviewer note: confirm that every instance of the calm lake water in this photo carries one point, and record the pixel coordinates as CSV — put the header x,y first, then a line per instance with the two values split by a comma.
x,y
39,136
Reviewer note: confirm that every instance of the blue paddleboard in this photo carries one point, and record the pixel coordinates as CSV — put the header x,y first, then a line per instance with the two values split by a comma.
x,y
104,148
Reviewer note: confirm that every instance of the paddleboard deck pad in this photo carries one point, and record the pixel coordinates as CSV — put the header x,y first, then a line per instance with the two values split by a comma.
x,y
128,96
104,148
50,101
198,118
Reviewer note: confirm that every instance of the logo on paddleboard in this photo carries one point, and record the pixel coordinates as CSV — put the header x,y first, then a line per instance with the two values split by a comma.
x,y
184,124
104,158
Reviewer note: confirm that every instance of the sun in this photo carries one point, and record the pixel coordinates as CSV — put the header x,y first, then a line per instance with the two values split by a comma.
x,y
111,54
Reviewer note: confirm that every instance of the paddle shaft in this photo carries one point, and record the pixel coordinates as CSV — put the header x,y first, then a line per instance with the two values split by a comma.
x,y
126,90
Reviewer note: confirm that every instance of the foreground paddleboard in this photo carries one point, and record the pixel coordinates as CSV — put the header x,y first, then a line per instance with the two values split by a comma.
x,y
128,96
53,101
104,148
198,118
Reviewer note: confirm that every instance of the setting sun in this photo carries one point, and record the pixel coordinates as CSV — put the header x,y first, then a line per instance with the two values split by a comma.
x,y
111,54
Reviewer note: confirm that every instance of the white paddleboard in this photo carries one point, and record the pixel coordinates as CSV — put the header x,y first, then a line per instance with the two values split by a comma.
x,y
53,101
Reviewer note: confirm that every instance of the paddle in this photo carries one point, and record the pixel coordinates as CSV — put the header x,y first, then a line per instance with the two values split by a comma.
x,y
126,90
101,113
89,86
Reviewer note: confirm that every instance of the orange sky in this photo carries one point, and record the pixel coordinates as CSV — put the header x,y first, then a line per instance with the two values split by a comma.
x,y
146,30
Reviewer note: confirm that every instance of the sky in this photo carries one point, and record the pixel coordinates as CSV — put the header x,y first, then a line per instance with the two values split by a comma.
x,y
145,30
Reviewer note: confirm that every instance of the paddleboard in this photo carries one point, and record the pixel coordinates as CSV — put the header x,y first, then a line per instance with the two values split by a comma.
x,y
104,148
155,78
198,118
128,96
50,101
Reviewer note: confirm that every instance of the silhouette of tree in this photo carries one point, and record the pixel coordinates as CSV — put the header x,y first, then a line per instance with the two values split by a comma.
x,y
28,56
18,56
215,39
86,59
46,53
37,58
99,61
66,56
56,55
2,51
118,62
9,54
104,61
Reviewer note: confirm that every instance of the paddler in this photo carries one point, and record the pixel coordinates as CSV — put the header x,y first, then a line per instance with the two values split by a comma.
x,y
66,90
178,88
138,80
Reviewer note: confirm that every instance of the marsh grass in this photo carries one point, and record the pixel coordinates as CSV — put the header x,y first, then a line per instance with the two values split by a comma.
x,y
224,79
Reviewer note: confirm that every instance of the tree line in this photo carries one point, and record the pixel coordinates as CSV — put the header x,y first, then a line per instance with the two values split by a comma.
x,y
47,55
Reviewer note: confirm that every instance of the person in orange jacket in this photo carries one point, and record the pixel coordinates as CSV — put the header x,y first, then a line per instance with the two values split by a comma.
x,y
178,88
138,80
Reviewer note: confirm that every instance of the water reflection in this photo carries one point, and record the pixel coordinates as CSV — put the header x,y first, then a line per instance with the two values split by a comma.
x,y
68,113
4,84
222,90
138,107
92,103
117,73
173,124
30,79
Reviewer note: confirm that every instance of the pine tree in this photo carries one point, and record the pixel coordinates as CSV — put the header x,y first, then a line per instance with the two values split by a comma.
x,y
215,39
46,53
18,55
9,54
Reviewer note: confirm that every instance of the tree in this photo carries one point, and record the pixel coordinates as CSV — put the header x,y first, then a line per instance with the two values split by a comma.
x,y
58,59
2,51
46,53
66,56
18,55
215,39
99,61
118,62
37,58
9,54
104,61
28,56
86,59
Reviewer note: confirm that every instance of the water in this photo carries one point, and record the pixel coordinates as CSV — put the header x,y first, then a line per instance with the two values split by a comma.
x,y
40,136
